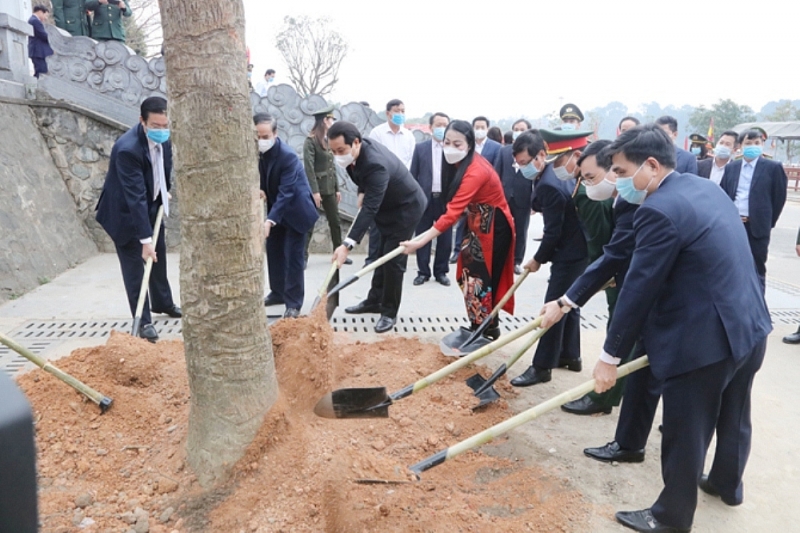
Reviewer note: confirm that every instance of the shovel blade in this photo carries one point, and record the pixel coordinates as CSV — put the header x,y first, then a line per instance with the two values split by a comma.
x,y
475,382
333,299
370,402
451,343
486,397
477,344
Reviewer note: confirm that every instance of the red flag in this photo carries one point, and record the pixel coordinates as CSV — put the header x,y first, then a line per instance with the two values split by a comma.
x,y
710,135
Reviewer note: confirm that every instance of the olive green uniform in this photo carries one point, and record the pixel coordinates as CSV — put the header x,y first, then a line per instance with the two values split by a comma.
x,y
321,172
71,15
107,20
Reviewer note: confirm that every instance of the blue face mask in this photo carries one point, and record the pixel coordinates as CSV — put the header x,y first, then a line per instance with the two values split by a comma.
x,y
695,150
529,172
752,152
158,136
628,191
438,133
398,119
567,126
722,151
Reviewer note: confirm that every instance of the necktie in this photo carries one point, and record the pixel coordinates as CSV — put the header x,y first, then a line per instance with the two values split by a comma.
x,y
159,180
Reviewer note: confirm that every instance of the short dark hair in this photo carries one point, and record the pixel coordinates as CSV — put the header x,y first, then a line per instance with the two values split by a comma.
x,y
393,102
495,134
527,124
632,119
266,118
40,7
437,114
593,149
154,104
269,71
730,133
642,142
530,142
346,129
669,121
750,134
508,137
476,119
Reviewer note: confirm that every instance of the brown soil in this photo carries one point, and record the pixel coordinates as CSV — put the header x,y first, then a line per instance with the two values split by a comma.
x,y
301,472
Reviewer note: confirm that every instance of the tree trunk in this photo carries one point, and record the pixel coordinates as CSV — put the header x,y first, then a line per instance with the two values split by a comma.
x,y
228,346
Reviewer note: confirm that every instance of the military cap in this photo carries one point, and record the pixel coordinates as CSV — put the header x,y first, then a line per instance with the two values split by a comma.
x,y
571,111
762,130
328,110
696,138
558,142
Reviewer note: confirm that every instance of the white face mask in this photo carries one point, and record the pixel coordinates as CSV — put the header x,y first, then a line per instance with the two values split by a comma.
x,y
265,144
344,161
600,191
453,155
562,173
480,134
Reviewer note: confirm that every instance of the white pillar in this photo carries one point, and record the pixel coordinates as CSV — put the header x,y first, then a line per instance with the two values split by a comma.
x,y
14,32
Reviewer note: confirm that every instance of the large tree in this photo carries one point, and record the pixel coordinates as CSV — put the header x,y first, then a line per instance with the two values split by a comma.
x,y
726,115
313,53
228,346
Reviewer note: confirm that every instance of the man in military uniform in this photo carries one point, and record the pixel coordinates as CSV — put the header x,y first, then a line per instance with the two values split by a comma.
x,y
70,15
107,19
571,117
699,147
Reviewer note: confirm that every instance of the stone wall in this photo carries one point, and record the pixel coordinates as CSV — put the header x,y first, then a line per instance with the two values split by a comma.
x,y
42,235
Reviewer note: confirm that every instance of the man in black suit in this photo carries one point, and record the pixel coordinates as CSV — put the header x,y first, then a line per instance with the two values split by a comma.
x,y
690,251
393,200
39,44
426,167
714,167
137,184
686,161
563,246
757,186
518,191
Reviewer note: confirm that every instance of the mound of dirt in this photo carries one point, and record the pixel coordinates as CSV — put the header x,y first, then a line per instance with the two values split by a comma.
x,y
126,469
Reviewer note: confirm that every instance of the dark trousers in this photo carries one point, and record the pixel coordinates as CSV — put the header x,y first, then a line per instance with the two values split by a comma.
x,y
132,266
715,397
563,339
458,234
374,251
759,248
331,209
522,219
39,66
285,265
639,404
441,265
387,281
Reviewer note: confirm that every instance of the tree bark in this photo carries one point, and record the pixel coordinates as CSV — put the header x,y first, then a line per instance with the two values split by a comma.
x,y
227,343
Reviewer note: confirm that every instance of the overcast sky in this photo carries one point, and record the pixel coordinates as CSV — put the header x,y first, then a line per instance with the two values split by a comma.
x,y
527,57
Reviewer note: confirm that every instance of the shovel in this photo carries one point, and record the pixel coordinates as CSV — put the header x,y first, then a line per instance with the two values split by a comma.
x,y
515,421
148,266
103,401
331,280
463,341
374,402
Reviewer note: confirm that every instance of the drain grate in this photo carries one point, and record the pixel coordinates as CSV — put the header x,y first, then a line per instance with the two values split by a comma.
x,y
446,323
787,288
11,362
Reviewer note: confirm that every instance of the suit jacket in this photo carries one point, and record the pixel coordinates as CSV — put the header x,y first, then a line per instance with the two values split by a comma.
x,y
704,168
491,149
283,180
71,15
107,20
392,197
563,238
691,252
126,206
685,162
38,44
767,193
518,189
615,259
422,167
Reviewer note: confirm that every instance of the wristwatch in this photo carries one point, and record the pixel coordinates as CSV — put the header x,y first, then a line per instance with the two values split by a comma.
x,y
565,307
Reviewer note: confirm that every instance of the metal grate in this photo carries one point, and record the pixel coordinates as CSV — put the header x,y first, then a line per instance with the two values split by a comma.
x,y
787,288
446,323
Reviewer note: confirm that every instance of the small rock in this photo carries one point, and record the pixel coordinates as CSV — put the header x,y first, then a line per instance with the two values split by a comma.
x,y
84,500
379,445
614,463
101,451
166,515
552,450
383,509
253,526
77,518
142,525
172,428
166,485
86,522
128,518
450,427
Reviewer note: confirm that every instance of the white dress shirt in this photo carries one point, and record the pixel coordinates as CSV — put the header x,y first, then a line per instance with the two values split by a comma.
x,y
717,172
743,190
262,87
159,179
400,144
479,146
436,152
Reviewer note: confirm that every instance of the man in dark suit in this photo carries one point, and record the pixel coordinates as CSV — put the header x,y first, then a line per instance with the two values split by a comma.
x,y
426,167
518,191
488,148
291,213
563,246
137,184
686,161
690,251
391,197
758,188
39,44
714,167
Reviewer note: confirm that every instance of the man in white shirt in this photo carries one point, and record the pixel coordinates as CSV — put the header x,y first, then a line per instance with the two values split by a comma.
x,y
714,167
262,87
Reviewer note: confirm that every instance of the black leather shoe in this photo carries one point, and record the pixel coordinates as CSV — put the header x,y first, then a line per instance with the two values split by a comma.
x,y
585,406
492,333
454,258
419,280
706,487
384,324
612,452
271,299
444,280
148,331
174,312
794,338
645,521
532,376
575,365
517,269
291,312
363,307
348,261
